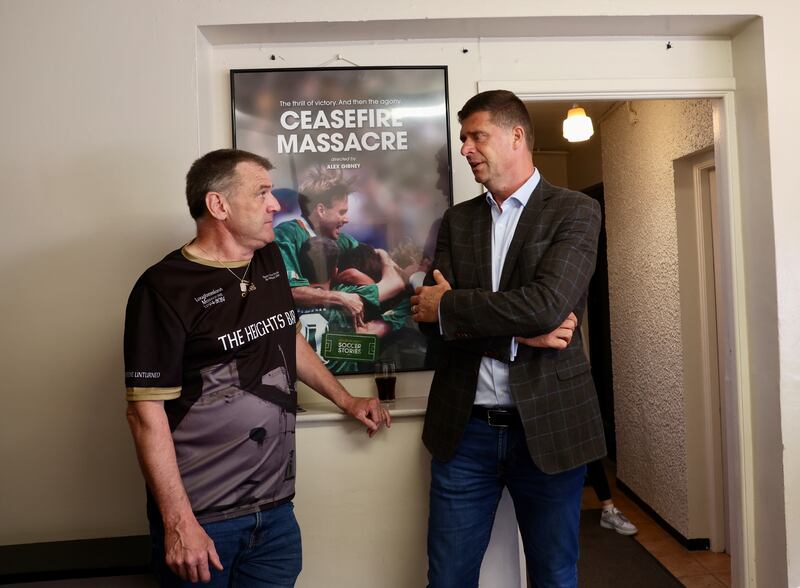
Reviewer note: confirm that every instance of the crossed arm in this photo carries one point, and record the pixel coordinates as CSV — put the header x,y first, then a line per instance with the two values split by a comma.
x,y
541,305
425,307
190,552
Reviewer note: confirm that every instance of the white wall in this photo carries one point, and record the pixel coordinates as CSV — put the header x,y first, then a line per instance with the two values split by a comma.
x,y
363,515
100,121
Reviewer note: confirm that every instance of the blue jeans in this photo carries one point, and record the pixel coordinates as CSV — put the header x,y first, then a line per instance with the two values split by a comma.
x,y
465,492
261,549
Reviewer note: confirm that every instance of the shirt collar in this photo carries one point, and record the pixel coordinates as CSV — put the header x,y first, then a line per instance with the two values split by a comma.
x,y
303,221
523,193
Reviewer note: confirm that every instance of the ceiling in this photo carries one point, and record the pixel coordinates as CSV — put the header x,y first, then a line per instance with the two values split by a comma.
x,y
547,117
670,26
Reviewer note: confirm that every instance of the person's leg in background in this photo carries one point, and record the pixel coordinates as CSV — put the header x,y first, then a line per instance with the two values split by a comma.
x,y
612,517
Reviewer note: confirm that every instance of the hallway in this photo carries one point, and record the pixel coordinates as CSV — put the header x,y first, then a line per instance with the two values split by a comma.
x,y
695,569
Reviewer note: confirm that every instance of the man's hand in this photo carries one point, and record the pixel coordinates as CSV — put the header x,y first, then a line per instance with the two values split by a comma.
x,y
369,411
557,339
189,550
425,302
311,372
351,304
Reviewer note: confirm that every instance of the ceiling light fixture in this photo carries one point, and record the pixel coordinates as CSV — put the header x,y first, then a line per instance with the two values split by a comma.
x,y
577,126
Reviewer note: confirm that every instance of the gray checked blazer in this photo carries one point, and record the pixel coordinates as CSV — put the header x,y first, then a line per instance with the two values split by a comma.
x,y
545,275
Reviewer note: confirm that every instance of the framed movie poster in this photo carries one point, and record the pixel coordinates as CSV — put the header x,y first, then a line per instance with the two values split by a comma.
x,y
362,174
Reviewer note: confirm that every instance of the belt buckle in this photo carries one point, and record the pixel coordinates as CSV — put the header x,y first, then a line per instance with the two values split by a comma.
x,y
498,413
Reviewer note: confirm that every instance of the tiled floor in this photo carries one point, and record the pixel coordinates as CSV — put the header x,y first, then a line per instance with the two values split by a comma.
x,y
695,569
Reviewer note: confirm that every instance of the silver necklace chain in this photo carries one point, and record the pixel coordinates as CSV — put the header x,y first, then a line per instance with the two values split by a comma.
x,y
245,285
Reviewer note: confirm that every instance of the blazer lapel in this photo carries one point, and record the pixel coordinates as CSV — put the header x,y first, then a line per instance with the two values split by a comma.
x,y
525,226
482,244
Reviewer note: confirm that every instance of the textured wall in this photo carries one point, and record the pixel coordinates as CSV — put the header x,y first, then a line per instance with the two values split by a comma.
x,y
644,294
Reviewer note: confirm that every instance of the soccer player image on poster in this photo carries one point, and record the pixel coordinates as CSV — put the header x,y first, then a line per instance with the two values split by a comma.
x,y
362,174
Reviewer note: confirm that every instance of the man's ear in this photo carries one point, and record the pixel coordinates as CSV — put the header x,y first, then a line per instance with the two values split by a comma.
x,y
518,134
217,205
320,208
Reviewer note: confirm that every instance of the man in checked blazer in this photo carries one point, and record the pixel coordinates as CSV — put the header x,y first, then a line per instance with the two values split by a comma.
x,y
512,403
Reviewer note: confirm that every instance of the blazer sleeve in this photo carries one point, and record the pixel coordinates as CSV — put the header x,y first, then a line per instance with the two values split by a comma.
x,y
498,347
537,307
443,262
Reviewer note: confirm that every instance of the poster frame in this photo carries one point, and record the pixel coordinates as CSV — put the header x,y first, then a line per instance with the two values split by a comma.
x,y
277,158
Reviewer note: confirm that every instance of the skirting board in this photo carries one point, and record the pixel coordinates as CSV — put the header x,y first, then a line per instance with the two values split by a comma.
x,y
87,558
690,544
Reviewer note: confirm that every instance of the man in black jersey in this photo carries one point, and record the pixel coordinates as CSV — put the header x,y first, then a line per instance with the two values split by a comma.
x,y
212,354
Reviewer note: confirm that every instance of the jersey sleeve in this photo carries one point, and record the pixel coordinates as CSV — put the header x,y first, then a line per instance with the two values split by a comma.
x,y
346,241
398,316
289,240
153,346
369,296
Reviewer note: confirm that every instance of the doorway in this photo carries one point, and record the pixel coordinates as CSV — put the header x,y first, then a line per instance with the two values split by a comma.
x,y
661,314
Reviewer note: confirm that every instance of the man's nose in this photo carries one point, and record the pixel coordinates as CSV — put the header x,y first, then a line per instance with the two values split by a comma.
x,y
272,204
466,148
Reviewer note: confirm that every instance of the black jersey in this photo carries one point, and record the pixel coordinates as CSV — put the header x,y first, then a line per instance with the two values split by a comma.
x,y
224,364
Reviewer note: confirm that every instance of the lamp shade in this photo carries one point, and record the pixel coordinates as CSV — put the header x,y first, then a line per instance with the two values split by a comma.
x,y
577,126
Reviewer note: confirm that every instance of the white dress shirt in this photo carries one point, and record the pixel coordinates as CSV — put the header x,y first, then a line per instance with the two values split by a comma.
x,y
492,388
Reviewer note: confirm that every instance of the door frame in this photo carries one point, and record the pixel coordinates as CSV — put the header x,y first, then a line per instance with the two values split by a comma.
x,y
705,200
734,351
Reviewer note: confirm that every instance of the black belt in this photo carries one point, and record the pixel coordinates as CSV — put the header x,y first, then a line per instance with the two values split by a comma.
x,y
496,417
498,355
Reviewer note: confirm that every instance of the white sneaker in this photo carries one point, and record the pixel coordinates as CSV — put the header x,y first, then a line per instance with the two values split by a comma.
x,y
614,519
